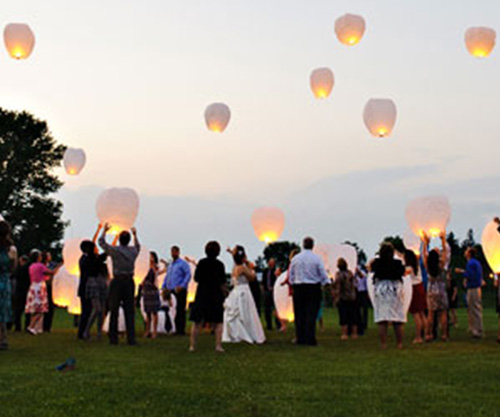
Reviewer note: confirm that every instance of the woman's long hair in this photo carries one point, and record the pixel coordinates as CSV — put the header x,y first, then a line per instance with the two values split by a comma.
x,y
5,235
239,255
411,260
434,263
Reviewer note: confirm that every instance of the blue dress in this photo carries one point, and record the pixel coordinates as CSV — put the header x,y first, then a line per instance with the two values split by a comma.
x,y
5,288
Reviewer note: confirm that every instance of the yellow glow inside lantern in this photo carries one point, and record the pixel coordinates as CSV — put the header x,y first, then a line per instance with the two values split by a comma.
x,y
215,127
321,93
268,237
382,131
480,52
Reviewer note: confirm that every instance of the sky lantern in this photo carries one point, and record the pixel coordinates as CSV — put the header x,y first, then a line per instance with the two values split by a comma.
x,y
429,215
142,265
193,285
74,306
350,28
118,207
379,116
268,223
282,299
412,242
74,160
19,40
331,253
322,81
217,117
490,242
480,41
64,287
71,255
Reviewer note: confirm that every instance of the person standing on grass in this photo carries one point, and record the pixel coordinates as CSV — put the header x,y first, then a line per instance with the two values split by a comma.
x,y
37,303
49,316
269,276
177,281
452,290
208,306
435,263
21,293
388,303
307,276
8,259
151,296
362,299
473,281
418,303
122,287
344,295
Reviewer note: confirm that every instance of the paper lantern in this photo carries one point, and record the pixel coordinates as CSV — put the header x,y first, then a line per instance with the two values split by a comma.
x,y
282,299
217,117
350,28
192,286
64,287
429,215
74,160
379,116
75,306
412,242
118,207
19,40
330,254
480,41
142,266
71,255
322,81
268,223
491,246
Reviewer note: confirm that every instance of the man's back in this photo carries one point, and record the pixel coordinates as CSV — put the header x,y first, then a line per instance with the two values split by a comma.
x,y
307,268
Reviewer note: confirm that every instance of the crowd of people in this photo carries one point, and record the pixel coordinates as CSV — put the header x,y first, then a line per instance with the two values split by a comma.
x,y
235,315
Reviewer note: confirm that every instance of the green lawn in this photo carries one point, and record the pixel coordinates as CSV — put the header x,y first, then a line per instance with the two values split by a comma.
x,y
160,378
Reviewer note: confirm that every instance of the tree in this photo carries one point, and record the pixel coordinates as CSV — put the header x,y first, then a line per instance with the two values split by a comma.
x,y
28,153
362,258
280,251
396,241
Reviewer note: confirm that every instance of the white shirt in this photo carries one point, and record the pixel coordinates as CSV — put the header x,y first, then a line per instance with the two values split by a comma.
x,y
415,278
308,268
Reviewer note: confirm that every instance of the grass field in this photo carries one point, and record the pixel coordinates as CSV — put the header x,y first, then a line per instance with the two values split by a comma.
x,y
160,378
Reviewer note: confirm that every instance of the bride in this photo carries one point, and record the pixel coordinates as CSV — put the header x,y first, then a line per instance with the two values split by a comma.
x,y
241,320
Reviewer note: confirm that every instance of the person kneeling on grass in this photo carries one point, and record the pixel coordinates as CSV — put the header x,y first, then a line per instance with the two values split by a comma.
x,y
344,295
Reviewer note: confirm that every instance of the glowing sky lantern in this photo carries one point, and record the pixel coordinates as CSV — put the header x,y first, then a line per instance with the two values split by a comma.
x,y
268,223
412,241
74,160
118,207
480,41
19,40
330,254
379,116
74,306
217,117
64,287
350,28
142,265
71,255
322,81
282,299
491,246
429,215
193,285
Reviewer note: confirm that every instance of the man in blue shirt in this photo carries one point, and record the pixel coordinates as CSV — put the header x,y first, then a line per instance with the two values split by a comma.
x,y
473,281
177,281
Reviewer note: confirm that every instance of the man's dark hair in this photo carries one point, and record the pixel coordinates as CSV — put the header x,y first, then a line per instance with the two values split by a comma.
x,y
175,247
87,247
124,238
212,249
472,252
308,243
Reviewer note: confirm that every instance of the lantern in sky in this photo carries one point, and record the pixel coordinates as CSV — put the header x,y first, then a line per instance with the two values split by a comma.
x,y
379,116
322,81
118,207
71,255
412,242
268,223
480,41
142,265
64,287
429,215
490,242
19,40
350,28
282,299
74,160
217,117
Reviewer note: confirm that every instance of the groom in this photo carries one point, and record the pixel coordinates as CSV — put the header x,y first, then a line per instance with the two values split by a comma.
x,y
307,275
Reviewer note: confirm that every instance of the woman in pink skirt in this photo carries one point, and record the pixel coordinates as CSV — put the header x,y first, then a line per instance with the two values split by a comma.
x,y
418,299
37,303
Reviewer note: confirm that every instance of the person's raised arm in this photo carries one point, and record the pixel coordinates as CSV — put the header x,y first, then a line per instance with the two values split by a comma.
x,y
425,249
444,251
102,240
96,234
137,245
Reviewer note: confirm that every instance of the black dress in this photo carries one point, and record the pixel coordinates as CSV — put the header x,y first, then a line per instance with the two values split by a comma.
x,y
150,293
208,306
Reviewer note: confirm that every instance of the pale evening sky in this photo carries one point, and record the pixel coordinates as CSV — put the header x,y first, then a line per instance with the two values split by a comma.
x,y
128,81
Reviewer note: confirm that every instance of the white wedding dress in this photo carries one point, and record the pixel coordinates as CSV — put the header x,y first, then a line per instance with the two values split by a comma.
x,y
241,320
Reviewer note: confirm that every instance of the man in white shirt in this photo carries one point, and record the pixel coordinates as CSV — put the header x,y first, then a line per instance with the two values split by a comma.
x,y
307,276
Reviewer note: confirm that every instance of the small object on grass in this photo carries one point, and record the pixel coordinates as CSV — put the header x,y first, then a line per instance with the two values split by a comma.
x,y
69,365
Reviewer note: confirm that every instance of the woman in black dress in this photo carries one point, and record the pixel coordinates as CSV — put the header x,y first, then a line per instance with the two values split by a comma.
x,y
208,306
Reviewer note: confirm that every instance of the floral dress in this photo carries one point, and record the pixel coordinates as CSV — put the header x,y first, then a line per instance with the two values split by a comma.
x,y
5,288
